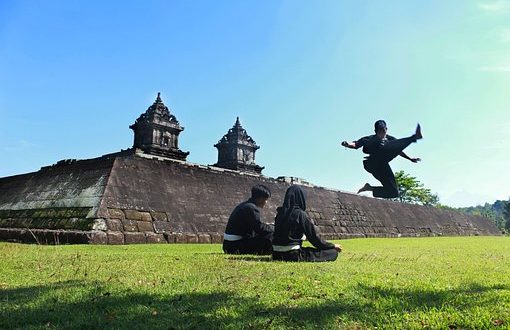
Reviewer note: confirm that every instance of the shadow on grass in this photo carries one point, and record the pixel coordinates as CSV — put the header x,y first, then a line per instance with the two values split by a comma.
x,y
81,305
249,257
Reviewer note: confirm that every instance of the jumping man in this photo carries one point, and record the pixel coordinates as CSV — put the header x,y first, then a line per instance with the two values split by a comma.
x,y
382,149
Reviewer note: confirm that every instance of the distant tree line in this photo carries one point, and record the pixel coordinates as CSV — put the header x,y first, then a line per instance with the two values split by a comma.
x,y
412,191
499,212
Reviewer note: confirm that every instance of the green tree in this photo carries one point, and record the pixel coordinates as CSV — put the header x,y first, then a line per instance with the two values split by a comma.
x,y
506,215
495,212
413,191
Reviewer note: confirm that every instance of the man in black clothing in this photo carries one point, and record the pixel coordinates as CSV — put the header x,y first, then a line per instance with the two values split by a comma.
x,y
381,149
245,233
291,223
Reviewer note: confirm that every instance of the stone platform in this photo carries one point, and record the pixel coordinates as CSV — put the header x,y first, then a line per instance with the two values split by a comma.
x,y
130,197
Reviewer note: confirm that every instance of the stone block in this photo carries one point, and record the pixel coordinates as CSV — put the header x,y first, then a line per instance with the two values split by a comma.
x,y
80,223
162,227
159,216
191,238
155,238
204,238
180,238
145,216
145,226
114,225
216,238
97,237
99,224
135,238
133,215
115,238
326,223
129,225
170,237
72,237
116,214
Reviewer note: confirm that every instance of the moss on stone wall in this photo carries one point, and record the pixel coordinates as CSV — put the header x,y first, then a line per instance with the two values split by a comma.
x,y
49,218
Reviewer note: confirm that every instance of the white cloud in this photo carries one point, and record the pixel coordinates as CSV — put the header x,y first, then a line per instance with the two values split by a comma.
x,y
497,6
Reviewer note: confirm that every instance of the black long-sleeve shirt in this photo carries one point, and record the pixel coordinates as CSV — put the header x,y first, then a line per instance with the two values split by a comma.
x,y
245,221
289,231
372,143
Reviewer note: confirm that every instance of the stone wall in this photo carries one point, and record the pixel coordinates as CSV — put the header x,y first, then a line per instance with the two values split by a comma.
x,y
134,199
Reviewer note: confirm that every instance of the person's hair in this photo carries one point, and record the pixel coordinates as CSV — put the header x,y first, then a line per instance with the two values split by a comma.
x,y
260,191
378,125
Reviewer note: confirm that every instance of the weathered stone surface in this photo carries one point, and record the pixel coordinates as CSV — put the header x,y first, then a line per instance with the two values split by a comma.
x,y
170,237
146,216
114,225
155,238
191,238
99,224
145,226
135,238
97,237
115,237
130,225
159,216
134,215
116,214
162,227
180,238
185,199
204,238
216,238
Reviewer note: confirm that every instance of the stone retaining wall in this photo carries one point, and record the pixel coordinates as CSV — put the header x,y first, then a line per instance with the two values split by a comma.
x,y
130,199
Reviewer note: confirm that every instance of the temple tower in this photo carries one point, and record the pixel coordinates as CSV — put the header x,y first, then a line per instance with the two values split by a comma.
x,y
157,132
236,150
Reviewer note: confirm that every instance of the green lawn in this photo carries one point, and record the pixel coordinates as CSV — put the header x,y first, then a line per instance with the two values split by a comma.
x,y
400,283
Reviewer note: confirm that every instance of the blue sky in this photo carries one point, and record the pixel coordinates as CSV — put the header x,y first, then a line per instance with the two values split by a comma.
x,y
301,75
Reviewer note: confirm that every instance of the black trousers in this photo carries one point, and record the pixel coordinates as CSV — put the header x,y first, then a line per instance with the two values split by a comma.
x,y
306,254
378,165
255,245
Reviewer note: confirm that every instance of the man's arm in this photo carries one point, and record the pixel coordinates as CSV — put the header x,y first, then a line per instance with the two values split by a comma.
x,y
414,160
258,226
350,145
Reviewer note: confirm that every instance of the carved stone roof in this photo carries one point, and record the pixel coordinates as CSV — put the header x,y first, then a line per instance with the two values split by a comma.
x,y
158,113
237,135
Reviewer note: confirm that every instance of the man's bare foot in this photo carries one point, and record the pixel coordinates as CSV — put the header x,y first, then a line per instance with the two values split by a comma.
x,y
366,187
418,132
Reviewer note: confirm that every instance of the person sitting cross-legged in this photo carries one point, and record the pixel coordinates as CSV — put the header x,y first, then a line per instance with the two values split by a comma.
x,y
291,223
245,232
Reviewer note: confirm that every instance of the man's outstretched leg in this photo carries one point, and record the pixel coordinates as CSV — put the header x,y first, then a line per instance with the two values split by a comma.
x,y
392,149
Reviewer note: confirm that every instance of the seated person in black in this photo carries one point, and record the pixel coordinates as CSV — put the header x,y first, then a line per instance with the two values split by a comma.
x,y
382,149
245,233
291,223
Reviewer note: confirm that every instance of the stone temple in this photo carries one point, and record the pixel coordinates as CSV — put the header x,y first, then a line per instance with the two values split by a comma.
x,y
151,194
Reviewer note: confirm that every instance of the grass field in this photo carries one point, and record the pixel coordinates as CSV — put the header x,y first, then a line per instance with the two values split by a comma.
x,y
404,283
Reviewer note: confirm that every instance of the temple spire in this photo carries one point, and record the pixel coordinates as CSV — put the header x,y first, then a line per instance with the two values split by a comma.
x,y
157,132
236,150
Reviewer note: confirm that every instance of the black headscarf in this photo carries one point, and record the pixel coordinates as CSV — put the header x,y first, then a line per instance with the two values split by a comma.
x,y
295,197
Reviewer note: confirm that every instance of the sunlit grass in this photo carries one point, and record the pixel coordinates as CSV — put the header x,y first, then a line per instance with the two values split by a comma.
x,y
402,283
